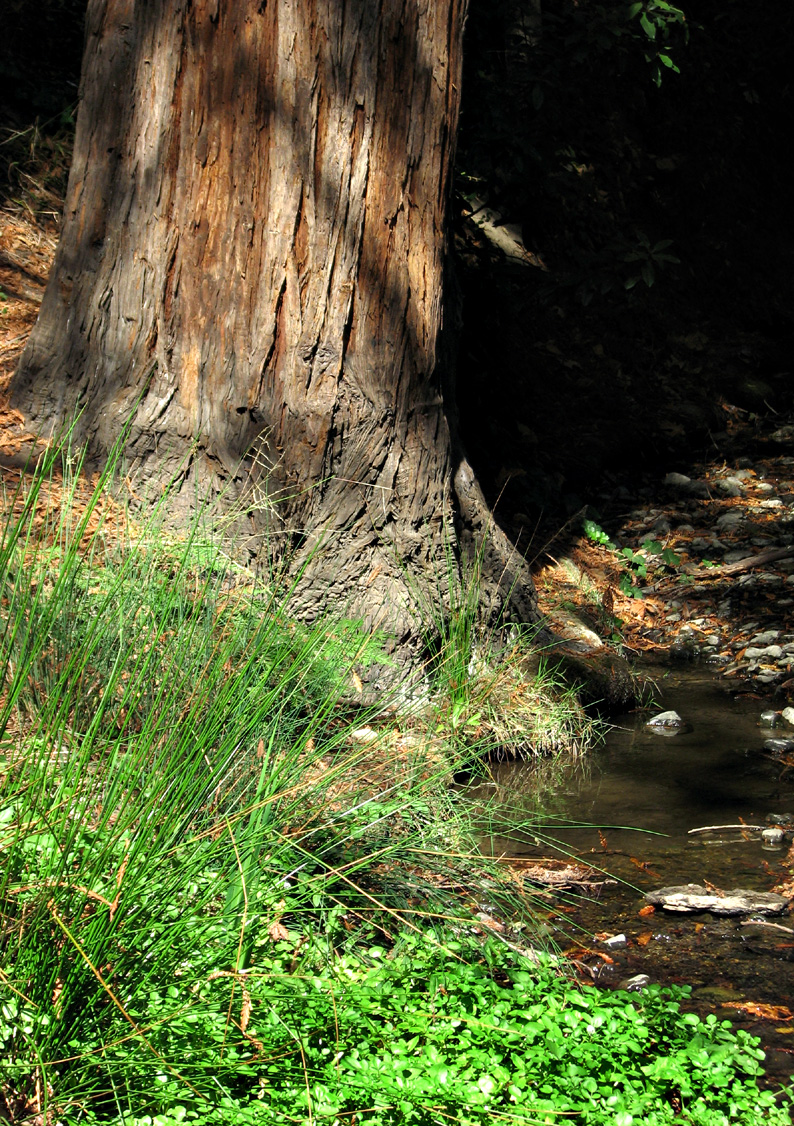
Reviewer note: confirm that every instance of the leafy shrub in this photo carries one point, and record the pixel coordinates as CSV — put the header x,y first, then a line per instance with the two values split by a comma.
x,y
461,1032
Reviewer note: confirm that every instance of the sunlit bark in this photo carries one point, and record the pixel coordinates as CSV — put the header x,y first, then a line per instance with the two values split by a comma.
x,y
252,262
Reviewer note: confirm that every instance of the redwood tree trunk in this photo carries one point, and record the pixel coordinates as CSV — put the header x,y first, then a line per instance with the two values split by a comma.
x,y
252,262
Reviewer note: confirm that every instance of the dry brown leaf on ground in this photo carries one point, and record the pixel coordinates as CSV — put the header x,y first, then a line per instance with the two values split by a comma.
x,y
764,1012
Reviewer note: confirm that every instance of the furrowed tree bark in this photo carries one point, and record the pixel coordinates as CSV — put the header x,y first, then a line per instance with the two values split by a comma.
x,y
251,265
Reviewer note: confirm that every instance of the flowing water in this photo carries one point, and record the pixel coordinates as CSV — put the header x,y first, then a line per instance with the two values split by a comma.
x,y
714,773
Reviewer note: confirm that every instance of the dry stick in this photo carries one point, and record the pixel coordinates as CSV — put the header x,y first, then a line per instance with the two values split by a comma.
x,y
717,828
740,565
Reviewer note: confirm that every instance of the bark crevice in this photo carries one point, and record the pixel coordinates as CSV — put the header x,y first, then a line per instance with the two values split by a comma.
x,y
252,260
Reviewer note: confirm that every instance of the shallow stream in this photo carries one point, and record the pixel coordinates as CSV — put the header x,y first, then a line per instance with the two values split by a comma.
x,y
716,772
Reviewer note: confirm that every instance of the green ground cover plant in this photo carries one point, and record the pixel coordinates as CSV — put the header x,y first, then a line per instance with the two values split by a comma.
x,y
228,896
635,563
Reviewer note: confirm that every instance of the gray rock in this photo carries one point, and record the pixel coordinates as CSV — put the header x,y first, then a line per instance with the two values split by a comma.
x,y
730,487
687,898
680,483
767,719
773,838
766,652
666,722
636,983
677,481
779,746
764,487
767,637
615,941
730,519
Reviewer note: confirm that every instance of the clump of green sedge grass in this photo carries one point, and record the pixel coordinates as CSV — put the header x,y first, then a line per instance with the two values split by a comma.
x,y
492,690
219,904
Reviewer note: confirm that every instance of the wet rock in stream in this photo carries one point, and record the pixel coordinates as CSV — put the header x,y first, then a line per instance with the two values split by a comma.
x,y
687,898
666,723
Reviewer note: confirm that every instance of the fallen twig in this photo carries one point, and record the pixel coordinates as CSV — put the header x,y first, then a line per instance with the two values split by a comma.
x,y
718,828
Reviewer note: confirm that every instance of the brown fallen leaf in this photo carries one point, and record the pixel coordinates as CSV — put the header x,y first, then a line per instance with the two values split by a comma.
x,y
648,909
644,939
756,1009
644,867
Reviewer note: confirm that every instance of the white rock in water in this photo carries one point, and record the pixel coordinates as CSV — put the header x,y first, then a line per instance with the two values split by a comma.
x,y
739,901
788,715
616,940
635,984
773,837
666,719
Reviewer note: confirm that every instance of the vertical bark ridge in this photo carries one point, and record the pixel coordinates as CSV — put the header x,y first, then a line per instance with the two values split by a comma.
x,y
255,225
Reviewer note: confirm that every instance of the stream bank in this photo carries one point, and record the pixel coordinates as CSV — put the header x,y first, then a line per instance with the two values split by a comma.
x,y
690,575
714,771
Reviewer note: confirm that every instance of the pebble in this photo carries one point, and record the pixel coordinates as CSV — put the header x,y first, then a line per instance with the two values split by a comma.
x,y
617,940
666,723
636,983
779,746
773,838
730,487
730,519
766,638
677,481
768,652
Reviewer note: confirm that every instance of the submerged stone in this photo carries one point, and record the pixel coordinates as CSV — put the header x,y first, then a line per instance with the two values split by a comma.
x,y
686,898
779,746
